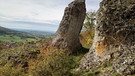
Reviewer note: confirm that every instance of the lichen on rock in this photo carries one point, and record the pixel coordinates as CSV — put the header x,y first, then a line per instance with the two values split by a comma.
x,y
114,36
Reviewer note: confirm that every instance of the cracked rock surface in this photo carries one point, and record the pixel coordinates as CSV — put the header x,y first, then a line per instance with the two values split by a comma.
x,y
114,37
67,35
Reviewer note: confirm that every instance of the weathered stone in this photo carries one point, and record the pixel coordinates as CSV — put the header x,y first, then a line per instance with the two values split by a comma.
x,y
67,35
114,33
125,65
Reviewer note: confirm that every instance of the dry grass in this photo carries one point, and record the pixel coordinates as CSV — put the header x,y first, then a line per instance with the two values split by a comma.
x,y
86,38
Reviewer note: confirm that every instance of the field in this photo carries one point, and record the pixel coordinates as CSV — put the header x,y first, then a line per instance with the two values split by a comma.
x,y
14,39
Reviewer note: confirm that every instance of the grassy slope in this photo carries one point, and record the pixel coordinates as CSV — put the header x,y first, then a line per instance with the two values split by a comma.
x,y
14,38
8,35
25,60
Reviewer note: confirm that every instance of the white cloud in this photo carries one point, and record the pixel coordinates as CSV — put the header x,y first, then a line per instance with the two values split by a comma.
x,y
32,9
29,25
38,10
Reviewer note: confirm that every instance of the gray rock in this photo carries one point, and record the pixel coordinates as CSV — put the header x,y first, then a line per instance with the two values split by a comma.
x,y
67,35
114,35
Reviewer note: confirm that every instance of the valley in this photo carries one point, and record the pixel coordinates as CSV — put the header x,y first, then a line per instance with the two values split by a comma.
x,y
20,36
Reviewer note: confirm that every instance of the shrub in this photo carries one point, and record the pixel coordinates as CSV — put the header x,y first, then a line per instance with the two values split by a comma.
x,y
86,38
54,63
8,70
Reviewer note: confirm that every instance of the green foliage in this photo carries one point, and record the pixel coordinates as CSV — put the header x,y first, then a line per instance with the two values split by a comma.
x,y
14,38
90,20
57,63
91,73
107,64
115,74
50,63
8,70
87,34
87,38
13,61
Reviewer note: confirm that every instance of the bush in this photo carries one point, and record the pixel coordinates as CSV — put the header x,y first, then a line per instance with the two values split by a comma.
x,y
86,38
54,63
8,70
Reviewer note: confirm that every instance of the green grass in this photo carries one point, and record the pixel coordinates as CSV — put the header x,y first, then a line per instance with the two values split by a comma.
x,y
11,38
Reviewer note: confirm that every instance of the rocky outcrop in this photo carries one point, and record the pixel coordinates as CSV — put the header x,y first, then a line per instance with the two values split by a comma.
x,y
67,35
114,37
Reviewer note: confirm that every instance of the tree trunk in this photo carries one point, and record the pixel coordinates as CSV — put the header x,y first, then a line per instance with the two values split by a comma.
x,y
67,35
114,33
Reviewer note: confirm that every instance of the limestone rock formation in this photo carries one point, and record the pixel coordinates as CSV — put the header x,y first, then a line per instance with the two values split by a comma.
x,y
114,37
67,35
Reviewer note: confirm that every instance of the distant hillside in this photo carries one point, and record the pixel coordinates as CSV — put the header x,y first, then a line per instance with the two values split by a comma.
x,y
25,33
4,30
41,34
11,36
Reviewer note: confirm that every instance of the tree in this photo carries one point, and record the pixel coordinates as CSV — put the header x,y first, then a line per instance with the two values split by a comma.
x,y
88,32
90,20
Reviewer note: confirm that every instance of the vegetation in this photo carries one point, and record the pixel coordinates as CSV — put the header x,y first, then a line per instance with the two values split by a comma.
x,y
90,20
12,36
30,59
13,39
55,63
21,55
88,32
87,38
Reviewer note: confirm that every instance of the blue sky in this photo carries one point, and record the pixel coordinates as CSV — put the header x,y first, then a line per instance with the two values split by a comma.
x,y
44,15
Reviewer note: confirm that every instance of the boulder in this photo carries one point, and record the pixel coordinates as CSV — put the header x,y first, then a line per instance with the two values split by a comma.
x,y
67,35
114,36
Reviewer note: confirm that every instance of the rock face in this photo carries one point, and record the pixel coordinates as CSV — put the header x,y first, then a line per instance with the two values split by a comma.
x,y
114,37
67,35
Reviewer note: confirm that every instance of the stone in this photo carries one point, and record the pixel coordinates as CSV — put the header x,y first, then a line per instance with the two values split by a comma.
x,y
67,35
114,31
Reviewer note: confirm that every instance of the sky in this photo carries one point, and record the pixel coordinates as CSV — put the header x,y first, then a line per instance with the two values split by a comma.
x,y
43,15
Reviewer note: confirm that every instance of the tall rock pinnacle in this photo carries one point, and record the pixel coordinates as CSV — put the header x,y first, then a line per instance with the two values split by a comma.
x,y
67,35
